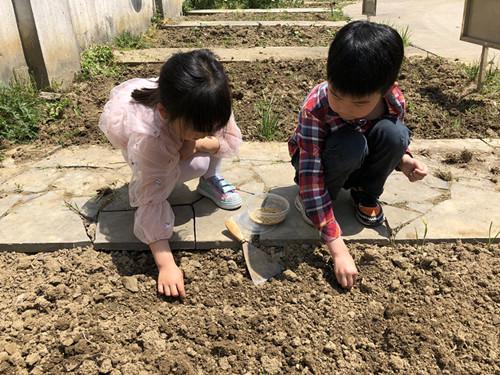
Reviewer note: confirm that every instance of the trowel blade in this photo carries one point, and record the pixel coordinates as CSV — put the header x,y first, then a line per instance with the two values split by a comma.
x,y
259,264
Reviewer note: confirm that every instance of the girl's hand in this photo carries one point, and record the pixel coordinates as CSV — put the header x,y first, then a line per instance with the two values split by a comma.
x,y
187,150
170,278
414,169
171,281
209,144
344,266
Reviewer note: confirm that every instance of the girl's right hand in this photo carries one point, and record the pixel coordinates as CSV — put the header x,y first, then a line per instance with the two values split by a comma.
x,y
171,281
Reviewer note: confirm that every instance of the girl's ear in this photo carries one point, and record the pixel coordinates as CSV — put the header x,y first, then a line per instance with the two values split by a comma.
x,y
163,112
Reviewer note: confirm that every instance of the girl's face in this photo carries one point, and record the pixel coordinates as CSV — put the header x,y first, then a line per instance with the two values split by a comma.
x,y
180,128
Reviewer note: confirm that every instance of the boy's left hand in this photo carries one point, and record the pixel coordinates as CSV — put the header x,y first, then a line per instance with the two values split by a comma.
x,y
414,169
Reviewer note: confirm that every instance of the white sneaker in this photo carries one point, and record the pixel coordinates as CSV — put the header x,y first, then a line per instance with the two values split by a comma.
x,y
299,205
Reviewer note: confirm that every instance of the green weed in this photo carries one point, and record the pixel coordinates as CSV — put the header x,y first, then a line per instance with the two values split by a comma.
x,y
403,32
239,4
405,35
18,188
492,80
269,121
129,41
21,110
55,109
98,61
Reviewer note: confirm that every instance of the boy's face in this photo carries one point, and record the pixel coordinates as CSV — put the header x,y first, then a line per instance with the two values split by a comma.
x,y
350,107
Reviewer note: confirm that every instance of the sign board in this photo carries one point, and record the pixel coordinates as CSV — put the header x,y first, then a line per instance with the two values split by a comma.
x,y
369,7
481,23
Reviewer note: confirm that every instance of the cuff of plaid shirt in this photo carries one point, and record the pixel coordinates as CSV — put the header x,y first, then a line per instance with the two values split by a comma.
x,y
330,231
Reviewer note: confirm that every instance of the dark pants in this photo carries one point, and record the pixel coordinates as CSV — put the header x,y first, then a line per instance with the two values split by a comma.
x,y
362,160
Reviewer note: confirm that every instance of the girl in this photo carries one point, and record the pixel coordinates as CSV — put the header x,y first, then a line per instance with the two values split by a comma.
x,y
173,129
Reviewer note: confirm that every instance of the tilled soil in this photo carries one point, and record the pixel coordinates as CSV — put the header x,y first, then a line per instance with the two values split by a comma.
x,y
244,36
431,309
416,308
441,101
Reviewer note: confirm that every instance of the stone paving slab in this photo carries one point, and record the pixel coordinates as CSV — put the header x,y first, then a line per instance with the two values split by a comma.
x,y
115,230
42,223
66,215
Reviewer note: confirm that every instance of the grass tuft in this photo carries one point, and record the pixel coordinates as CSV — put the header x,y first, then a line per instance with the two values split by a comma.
x,y
269,120
21,110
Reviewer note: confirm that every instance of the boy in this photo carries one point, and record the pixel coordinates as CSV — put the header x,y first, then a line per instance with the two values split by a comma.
x,y
351,135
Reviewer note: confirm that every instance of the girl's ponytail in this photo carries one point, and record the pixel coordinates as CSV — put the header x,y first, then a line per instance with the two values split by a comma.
x,y
147,96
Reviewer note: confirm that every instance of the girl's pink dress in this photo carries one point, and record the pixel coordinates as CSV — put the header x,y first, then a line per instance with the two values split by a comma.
x,y
152,151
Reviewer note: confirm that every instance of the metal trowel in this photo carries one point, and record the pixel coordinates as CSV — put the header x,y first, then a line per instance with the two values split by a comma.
x,y
259,264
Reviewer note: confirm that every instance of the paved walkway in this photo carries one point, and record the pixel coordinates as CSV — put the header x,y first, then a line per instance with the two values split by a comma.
x,y
434,26
78,196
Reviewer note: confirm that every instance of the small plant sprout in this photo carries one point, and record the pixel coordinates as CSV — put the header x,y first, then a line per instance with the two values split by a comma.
x,y
424,236
270,121
490,238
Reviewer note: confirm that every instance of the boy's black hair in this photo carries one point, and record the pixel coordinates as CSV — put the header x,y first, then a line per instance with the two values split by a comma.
x,y
193,87
364,58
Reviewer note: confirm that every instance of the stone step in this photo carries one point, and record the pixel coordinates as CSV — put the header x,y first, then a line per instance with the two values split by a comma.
x,y
273,10
160,55
253,23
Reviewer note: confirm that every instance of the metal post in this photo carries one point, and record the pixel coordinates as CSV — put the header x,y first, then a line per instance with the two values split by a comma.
x,y
482,67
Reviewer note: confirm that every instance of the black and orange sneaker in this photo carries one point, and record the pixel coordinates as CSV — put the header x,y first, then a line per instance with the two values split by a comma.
x,y
368,210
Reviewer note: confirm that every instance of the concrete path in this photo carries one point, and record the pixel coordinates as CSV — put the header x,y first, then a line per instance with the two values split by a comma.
x,y
434,26
78,196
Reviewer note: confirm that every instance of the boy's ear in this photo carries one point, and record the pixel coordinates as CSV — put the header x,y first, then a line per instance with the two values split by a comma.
x,y
394,85
163,111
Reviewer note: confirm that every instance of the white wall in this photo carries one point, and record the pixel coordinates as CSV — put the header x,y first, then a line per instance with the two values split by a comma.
x,y
11,49
63,29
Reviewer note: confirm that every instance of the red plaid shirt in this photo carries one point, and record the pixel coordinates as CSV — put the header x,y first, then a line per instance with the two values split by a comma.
x,y
316,122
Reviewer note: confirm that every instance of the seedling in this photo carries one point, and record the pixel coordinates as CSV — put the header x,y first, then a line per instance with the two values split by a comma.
x,y
491,239
425,235
18,188
72,207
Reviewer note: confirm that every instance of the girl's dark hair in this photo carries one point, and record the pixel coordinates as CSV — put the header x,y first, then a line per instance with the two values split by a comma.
x,y
193,87
364,58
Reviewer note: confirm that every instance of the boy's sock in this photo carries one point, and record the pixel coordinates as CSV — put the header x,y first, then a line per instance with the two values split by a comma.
x,y
368,209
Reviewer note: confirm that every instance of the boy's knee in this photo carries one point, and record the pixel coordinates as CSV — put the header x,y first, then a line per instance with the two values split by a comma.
x,y
393,134
350,151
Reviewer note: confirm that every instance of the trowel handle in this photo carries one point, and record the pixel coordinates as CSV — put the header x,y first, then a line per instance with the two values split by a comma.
x,y
235,230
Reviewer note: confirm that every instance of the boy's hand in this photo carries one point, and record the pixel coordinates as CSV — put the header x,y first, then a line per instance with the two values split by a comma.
x,y
414,169
344,267
171,281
